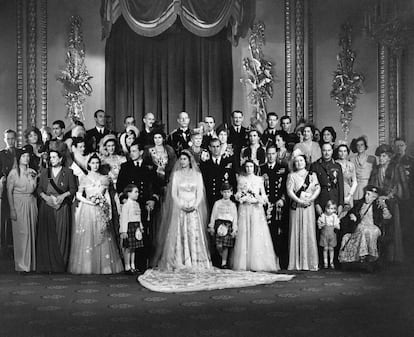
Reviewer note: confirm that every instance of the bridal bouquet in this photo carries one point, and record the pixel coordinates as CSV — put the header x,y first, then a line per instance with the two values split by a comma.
x,y
104,213
246,196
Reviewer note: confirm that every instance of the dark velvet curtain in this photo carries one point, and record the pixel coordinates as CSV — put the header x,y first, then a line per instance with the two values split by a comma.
x,y
166,74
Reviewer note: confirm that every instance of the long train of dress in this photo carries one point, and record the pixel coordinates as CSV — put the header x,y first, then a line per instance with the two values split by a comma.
x,y
209,279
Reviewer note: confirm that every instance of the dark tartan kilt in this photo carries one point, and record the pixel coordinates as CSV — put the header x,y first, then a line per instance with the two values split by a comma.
x,y
224,241
131,242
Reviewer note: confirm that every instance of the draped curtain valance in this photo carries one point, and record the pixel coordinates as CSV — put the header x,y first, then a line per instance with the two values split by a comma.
x,y
201,17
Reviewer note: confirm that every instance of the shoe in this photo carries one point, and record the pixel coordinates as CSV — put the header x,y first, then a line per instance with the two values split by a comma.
x,y
332,266
325,266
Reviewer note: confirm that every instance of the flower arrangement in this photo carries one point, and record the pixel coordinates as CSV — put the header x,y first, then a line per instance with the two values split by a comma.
x,y
104,214
246,196
258,74
347,84
75,77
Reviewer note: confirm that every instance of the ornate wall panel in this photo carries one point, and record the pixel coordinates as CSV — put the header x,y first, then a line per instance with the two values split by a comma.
x,y
310,62
288,59
299,59
392,97
19,72
31,61
43,61
382,52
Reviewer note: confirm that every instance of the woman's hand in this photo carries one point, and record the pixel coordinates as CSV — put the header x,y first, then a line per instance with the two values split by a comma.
x,y
123,235
13,214
353,218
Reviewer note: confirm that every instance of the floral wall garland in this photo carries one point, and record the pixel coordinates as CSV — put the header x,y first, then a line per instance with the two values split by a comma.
x,y
347,84
75,77
259,75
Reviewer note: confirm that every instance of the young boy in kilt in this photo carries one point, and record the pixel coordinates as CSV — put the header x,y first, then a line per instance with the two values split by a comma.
x,y
223,224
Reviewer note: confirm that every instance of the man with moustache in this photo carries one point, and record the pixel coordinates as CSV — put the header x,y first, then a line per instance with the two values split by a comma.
x,y
145,138
94,135
210,132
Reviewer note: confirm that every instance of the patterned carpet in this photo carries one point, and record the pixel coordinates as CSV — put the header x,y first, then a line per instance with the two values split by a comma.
x,y
324,303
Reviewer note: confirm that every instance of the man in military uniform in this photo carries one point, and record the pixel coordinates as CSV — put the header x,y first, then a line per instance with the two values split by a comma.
x,y
269,135
7,161
136,172
180,137
331,181
275,176
217,170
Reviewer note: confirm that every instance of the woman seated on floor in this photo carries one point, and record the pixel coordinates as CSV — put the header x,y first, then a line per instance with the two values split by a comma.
x,y
362,227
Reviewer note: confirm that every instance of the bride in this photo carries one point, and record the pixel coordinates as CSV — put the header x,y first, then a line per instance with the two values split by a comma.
x,y
182,239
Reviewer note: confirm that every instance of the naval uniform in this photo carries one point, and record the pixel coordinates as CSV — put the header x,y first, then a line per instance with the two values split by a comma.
x,y
278,219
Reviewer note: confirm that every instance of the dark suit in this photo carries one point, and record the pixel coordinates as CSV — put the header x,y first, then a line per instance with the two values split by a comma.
x,y
7,161
143,177
292,140
238,141
93,137
215,175
275,186
206,140
145,139
179,139
268,137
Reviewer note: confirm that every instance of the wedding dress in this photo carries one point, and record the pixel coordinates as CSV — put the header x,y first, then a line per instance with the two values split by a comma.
x,y
182,261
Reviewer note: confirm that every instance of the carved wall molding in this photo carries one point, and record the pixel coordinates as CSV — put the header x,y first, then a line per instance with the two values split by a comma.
x,y
382,53
392,97
31,15
299,59
43,61
19,72
288,60
310,62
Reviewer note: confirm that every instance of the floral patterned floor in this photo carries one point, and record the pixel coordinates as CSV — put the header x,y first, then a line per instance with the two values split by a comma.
x,y
324,303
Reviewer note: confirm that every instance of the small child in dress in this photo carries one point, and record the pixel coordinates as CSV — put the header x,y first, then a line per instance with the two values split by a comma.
x,y
130,227
223,224
327,223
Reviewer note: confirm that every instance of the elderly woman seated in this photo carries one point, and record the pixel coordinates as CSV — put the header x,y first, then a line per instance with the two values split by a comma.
x,y
361,228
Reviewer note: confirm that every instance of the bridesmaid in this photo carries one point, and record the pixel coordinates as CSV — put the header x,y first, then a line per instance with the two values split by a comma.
x,y
363,165
21,185
57,187
349,174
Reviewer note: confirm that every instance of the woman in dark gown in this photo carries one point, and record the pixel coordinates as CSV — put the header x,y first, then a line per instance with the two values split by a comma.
x,y
390,177
57,187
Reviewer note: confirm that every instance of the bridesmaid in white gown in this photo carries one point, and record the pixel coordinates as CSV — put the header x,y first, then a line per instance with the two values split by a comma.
x,y
94,249
182,237
254,248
